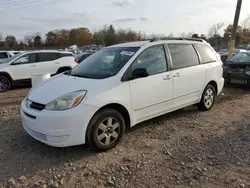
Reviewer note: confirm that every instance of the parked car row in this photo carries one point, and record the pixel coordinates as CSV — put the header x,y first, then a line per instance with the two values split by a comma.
x,y
80,57
84,49
17,70
119,87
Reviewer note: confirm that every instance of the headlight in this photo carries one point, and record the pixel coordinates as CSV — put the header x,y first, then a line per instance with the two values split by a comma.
x,y
67,101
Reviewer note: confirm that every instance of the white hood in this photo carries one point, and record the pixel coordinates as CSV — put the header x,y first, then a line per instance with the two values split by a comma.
x,y
3,65
60,85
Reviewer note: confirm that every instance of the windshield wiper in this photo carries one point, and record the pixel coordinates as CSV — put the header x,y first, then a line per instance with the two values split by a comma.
x,y
79,75
67,72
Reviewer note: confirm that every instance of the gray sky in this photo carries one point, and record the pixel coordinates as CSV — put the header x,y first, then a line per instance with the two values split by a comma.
x,y
22,17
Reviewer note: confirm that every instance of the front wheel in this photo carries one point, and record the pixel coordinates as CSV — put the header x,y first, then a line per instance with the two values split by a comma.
x,y
5,83
208,98
105,130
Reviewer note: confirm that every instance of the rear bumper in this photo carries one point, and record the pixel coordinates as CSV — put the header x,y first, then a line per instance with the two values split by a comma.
x,y
220,85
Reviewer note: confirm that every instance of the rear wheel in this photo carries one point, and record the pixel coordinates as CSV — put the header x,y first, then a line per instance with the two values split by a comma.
x,y
105,130
208,98
5,83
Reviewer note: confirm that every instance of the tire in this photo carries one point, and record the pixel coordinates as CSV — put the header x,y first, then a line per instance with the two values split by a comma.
x,y
5,83
208,98
105,130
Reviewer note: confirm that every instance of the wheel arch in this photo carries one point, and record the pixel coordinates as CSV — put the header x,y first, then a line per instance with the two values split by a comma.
x,y
7,75
214,84
120,108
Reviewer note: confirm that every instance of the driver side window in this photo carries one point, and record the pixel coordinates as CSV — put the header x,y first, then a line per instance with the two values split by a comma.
x,y
153,59
29,58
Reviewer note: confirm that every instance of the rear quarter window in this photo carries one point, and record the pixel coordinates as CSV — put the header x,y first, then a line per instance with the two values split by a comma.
x,y
183,55
3,55
206,53
47,56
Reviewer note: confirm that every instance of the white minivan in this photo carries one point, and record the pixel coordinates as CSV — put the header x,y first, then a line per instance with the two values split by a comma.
x,y
119,87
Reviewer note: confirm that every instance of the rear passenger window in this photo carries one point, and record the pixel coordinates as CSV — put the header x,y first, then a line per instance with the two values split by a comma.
x,y
25,59
206,53
183,55
48,56
3,55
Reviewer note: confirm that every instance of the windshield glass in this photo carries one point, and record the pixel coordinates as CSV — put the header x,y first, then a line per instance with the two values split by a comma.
x,y
104,63
241,57
11,58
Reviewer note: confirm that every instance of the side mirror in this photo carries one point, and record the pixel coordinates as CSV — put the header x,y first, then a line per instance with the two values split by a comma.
x,y
140,73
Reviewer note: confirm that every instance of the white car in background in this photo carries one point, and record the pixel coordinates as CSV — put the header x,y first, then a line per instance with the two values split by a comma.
x,y
119,87
17,70
8,54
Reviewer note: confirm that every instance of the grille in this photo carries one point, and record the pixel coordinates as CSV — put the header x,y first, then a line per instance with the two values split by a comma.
x,y
37,106
33,117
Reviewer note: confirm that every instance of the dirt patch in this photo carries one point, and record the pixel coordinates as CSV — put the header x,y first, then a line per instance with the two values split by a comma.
x,y
186,148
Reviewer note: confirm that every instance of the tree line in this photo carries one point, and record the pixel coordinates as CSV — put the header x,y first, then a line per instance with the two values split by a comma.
x,y
62,38
108,35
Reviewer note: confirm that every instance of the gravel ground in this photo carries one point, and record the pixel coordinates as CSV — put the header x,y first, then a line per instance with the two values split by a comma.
x,y
186,148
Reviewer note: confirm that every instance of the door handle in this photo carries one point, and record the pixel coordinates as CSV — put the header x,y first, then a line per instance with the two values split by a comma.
x,y
33,65
57,63
177,75
167,77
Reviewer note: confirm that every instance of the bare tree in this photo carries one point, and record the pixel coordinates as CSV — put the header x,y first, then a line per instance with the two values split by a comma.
x,y
29,40
215,29
183,35
189,35
246,22
245,30
186,35
170,35
1,37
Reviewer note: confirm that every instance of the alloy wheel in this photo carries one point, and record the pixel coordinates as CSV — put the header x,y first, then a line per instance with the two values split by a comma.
x,y
209,98
108,131
4,84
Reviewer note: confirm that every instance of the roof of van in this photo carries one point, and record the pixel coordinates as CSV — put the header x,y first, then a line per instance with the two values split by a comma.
x,y
56,51
149,42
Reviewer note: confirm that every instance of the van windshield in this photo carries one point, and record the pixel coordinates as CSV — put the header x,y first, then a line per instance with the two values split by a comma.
x,y
104,63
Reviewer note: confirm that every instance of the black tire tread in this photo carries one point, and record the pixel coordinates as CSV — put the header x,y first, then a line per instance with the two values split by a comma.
x,y
201,104
94,122
9,82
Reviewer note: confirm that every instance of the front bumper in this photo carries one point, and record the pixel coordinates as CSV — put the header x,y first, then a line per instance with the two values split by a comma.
x,y
57,128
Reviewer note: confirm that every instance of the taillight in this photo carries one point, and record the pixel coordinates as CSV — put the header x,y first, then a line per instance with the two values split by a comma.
x,y
76,60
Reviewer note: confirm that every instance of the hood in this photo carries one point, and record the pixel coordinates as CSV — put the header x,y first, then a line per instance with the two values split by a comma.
x,y
60,85
3,65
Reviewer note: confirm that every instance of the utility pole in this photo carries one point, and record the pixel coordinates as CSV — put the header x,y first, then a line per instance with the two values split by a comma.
x,y
234,29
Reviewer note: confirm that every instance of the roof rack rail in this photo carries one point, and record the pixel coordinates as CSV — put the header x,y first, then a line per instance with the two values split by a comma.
x,y
177,38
